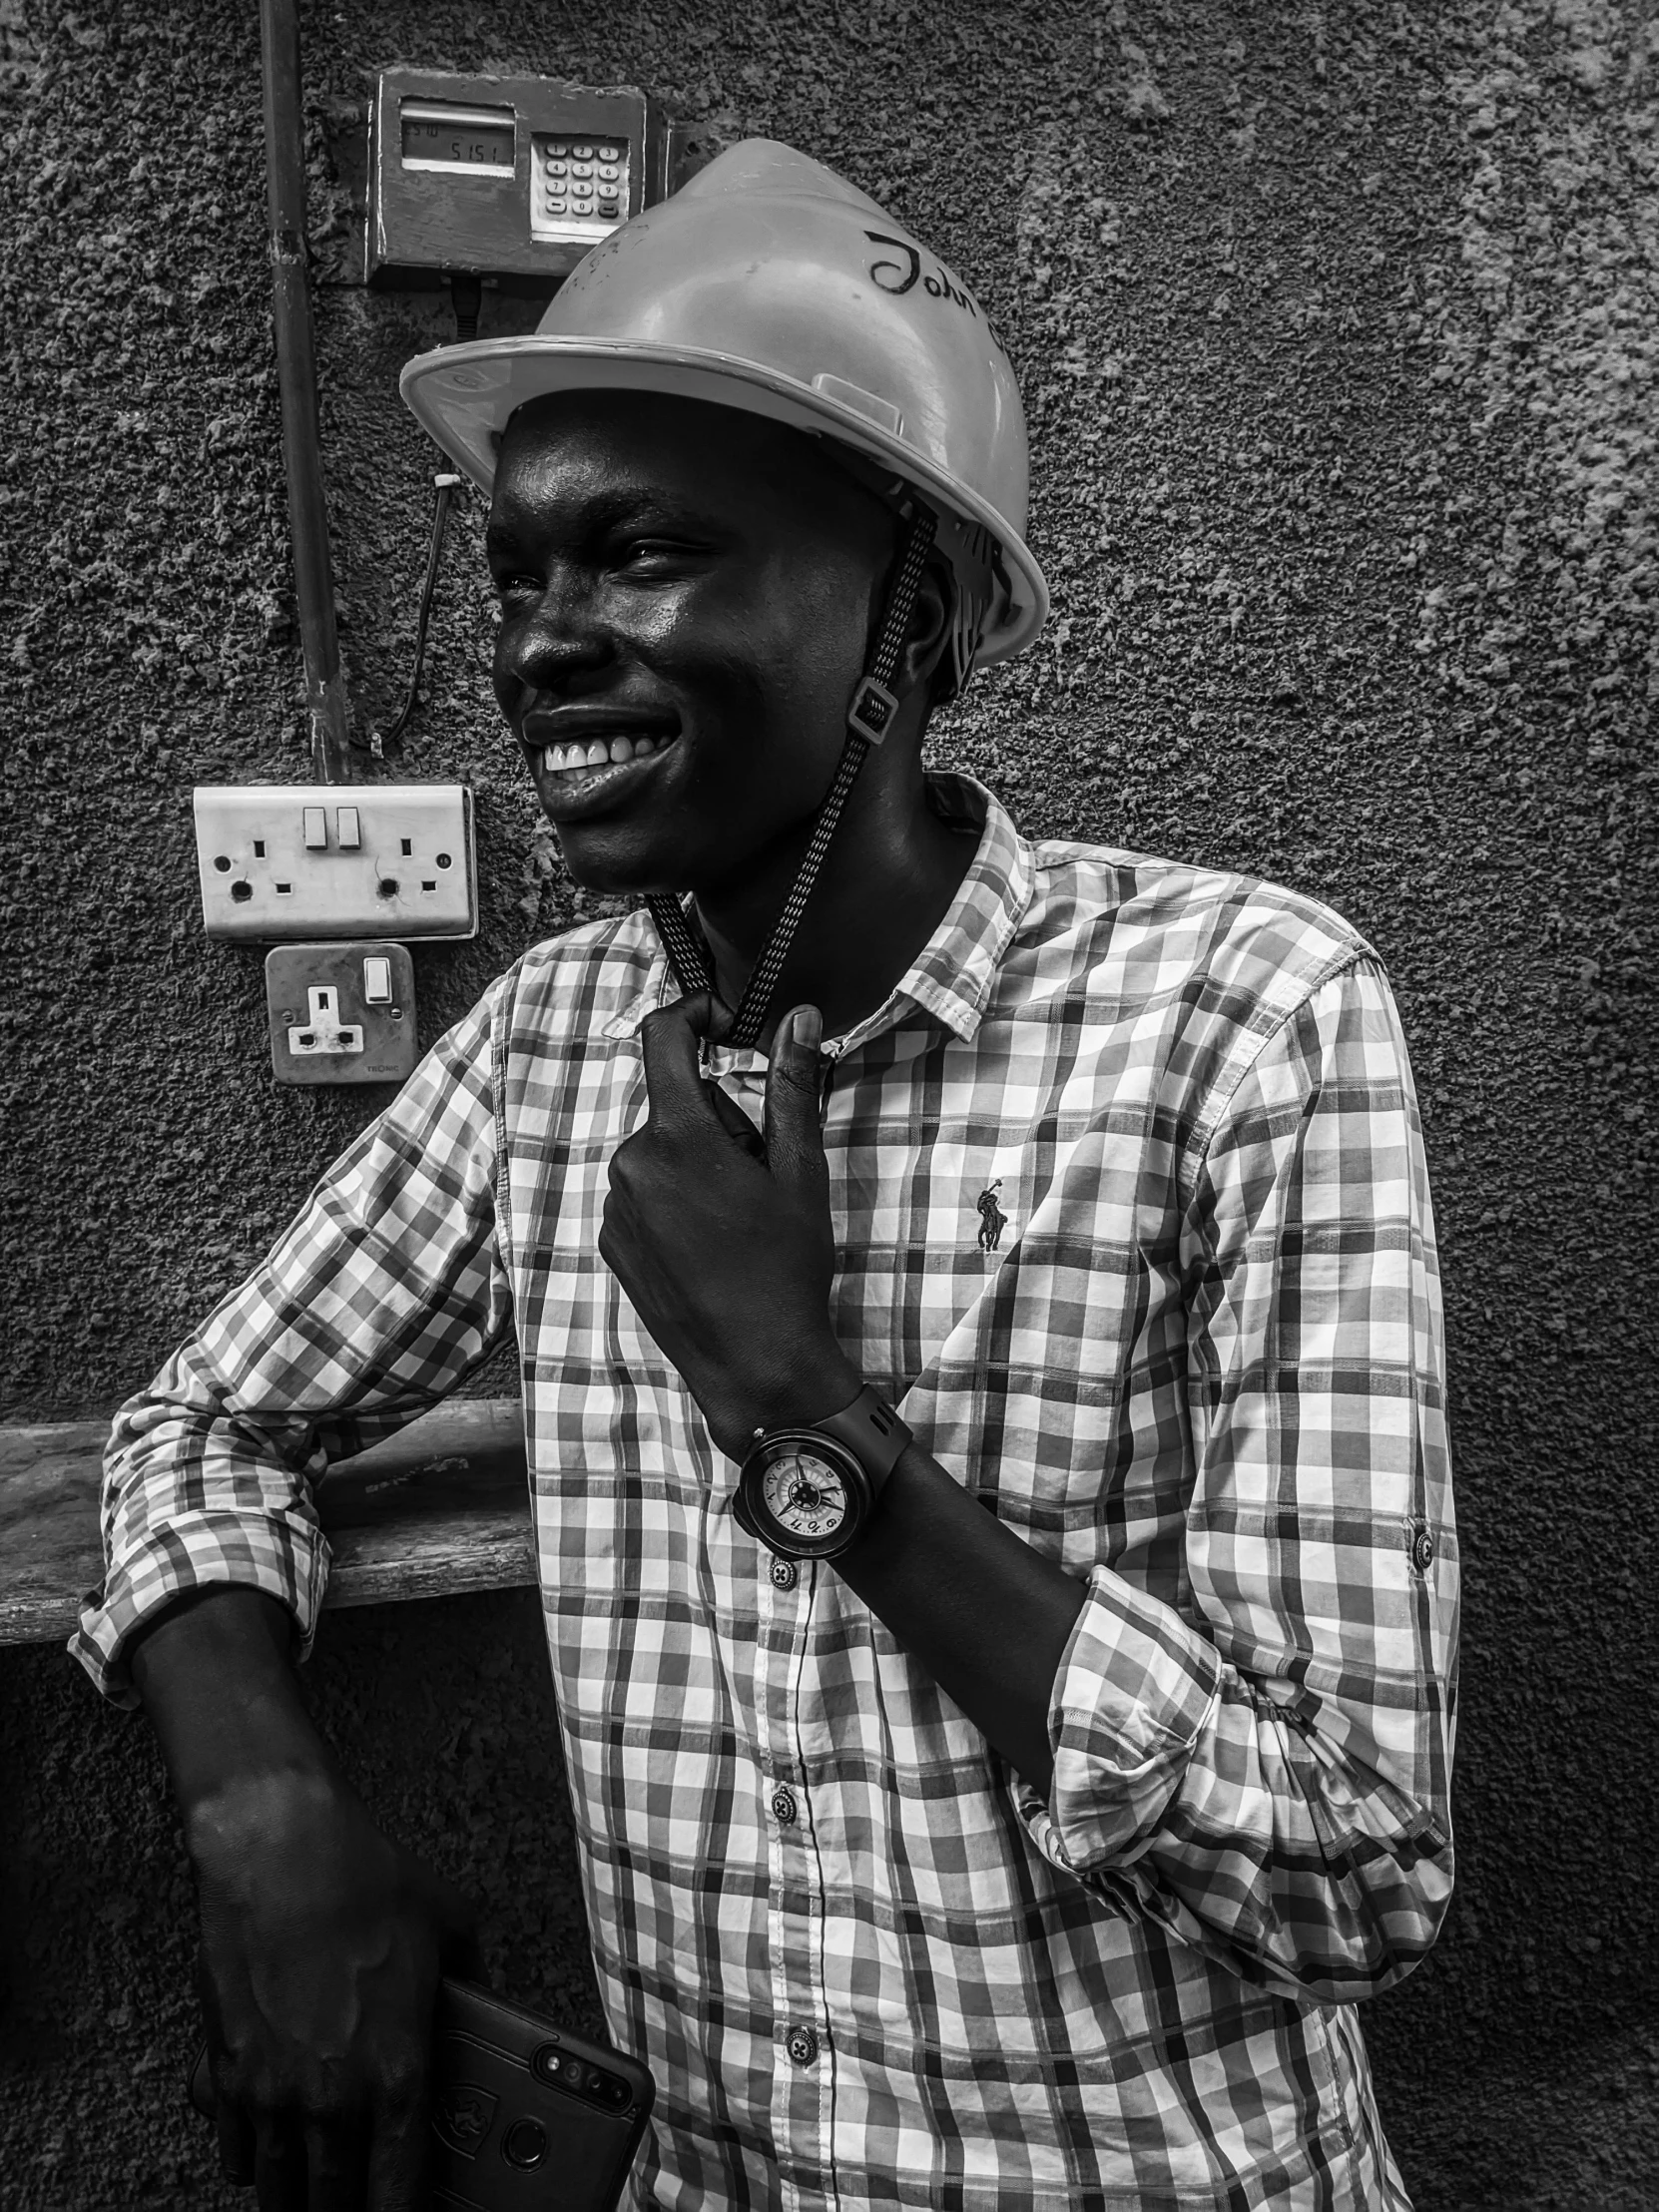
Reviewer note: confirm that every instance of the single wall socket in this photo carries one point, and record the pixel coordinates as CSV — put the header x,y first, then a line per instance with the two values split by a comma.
x,y
284,861
340,1014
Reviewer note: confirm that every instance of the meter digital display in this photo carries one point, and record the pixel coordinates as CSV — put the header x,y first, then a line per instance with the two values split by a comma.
x,y
439,134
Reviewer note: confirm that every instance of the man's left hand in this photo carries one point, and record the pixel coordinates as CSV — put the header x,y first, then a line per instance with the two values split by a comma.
x,y
722,1238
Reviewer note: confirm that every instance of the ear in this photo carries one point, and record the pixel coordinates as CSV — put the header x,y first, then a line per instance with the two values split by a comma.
x,y
930,629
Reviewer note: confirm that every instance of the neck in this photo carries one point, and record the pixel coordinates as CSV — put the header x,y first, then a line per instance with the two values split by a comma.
x,y
887,881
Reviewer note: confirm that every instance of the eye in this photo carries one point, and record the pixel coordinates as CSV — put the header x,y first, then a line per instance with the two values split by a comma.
x,y
654,554
513,588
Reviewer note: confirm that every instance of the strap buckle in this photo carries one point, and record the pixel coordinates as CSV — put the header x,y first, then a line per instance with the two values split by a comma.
x,y
873,709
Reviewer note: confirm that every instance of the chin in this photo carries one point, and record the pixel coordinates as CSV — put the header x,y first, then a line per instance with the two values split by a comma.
x,y
616,862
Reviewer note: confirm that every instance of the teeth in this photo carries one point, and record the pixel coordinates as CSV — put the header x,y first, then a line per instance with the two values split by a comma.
x,y
557,759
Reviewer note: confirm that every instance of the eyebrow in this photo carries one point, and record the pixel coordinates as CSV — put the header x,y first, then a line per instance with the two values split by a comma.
x,y
627,506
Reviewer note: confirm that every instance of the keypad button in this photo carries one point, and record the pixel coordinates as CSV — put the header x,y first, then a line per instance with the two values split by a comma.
x,y
558,168
583,153
581,169
783,1807
801,2045
610,172
784,1575
610,152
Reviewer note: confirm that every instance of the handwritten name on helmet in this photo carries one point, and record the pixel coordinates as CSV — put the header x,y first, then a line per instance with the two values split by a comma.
x,y
903,276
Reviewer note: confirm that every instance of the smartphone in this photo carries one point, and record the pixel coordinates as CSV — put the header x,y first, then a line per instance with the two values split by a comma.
x,y
526,2116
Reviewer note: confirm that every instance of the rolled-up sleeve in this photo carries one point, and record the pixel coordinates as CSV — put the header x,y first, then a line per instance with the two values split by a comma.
x,y
1265,1766
385,1289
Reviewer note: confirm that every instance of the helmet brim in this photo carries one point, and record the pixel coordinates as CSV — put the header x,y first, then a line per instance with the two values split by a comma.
x,y
463,397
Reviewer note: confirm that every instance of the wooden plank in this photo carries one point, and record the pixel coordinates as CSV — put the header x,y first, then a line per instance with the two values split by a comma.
x,y
443,1506
49,1544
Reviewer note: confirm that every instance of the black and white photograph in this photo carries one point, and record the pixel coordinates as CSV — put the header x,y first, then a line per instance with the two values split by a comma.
x,y
829,923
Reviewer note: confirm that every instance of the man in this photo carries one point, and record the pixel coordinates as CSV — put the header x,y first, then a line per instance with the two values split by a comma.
x,y
1018,1826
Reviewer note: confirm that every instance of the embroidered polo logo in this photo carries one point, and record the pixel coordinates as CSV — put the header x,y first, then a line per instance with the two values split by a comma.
x,y
993,1220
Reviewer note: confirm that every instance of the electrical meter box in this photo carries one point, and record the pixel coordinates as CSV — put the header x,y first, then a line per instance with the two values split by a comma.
x,y
514,178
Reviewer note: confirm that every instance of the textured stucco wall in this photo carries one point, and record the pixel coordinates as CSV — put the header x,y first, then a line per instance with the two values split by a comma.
x,y
1338,331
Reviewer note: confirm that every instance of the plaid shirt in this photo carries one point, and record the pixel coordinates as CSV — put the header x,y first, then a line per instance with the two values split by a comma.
x,y
1188,1346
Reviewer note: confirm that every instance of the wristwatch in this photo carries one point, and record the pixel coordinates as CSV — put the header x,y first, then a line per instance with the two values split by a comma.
x,y
807,1492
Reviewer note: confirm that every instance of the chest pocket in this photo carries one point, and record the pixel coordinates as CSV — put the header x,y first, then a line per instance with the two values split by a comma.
x,y
1056,1394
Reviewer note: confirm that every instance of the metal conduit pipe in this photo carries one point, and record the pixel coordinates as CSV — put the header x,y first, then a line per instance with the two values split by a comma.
x,y
314,580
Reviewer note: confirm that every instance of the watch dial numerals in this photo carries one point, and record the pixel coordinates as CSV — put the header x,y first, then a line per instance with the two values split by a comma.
x,y
805,1494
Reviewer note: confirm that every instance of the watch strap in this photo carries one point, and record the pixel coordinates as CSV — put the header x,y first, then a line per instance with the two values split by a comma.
x,y
872,1431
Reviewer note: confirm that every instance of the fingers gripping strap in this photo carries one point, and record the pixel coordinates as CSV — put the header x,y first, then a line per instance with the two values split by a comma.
x,y
868,718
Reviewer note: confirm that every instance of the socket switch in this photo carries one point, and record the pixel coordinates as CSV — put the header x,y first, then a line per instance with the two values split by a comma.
x,y
289,861
340,1014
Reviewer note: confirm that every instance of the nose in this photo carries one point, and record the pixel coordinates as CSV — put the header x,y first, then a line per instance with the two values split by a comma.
x,y
555,648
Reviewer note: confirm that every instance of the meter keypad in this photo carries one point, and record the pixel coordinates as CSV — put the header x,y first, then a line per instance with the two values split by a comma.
x,y
577,186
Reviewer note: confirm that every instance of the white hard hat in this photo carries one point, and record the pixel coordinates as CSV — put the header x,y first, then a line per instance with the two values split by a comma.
x,y
771,284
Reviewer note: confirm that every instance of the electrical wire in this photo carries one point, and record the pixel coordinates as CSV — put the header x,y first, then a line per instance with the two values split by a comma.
x,y
447,486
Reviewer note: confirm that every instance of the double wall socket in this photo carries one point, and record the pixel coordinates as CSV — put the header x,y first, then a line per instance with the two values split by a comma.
x,y
340,1014
291,861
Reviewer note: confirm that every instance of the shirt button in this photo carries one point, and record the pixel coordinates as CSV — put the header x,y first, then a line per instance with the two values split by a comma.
x,y
784,1575
1422,1551
783,1807
801,2045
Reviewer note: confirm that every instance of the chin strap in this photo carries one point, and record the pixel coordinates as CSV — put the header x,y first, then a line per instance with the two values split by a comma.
x,y
869,720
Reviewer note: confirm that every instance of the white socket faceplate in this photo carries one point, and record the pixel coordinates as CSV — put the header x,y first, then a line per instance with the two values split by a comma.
x,y
287,862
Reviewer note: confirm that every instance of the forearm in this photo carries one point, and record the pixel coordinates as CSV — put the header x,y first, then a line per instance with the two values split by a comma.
x,y
988,1617
216,1676
321,1941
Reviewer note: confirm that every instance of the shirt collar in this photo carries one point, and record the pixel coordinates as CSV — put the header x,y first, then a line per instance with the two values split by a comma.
x,y
952,976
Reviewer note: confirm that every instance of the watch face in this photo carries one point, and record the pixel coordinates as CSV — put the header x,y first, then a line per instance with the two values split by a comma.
x,y
805,1494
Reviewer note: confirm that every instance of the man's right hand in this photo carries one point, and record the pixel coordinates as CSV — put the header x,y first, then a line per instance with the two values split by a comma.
x,y
321,1942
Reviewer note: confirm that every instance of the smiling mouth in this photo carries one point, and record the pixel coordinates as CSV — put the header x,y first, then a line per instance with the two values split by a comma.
x,y
577,756
589,759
